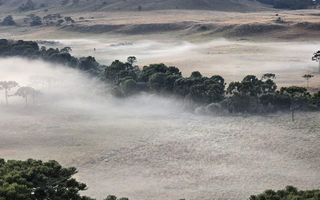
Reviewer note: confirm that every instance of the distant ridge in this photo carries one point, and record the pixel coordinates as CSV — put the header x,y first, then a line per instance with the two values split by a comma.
x,y
133,5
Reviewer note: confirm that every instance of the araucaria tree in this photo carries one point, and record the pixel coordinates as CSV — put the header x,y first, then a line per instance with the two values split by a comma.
x,y
316,57
34,179
27,91
307,77
294,93
6,86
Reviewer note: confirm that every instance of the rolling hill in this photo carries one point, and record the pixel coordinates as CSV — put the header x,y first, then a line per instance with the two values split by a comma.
x,y
9,6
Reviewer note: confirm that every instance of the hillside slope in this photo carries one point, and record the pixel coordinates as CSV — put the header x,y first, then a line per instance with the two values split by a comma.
x,y
9,6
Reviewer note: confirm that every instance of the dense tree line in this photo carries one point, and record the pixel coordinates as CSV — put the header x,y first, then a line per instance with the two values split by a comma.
x,y
290,4
207,95
290,192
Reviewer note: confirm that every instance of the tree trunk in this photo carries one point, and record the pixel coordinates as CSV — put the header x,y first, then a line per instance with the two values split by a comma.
x,y
26,98
6,93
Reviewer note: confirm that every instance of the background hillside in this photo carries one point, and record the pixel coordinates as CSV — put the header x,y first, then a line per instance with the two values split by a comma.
x,y
133,5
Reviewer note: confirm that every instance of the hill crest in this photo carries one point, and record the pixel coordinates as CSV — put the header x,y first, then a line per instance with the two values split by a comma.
x,y
75,6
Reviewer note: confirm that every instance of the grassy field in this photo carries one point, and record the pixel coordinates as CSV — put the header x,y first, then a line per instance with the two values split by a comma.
x,y
146,150
147,147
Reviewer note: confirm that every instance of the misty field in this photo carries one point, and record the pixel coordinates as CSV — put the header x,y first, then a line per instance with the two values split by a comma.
x,y
147,147
157,152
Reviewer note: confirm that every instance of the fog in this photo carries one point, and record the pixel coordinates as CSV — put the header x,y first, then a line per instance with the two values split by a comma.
x,y
231,59
147,147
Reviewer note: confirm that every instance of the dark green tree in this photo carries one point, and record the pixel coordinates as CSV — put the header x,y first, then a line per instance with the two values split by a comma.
x,y
289,193
65,50
88,64
129,87
131,60
68,19
268,76
8,21
156,81
30,5
36,21
34,179
294,93
307,77
195,74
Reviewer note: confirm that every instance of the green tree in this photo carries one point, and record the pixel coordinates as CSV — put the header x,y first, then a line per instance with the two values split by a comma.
x,y
129,87
195,74
156,81
316,98
268,76
30,5
131,60
289,193
8,21
36,21
247,94
65,50
34,179
307,77
6,86
294,93
89,64
68,19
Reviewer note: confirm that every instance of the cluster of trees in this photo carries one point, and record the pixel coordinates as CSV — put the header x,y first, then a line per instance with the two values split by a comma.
x,y
35,179
37,20
31,50
290,4
290,192
200,94
21,91
29,5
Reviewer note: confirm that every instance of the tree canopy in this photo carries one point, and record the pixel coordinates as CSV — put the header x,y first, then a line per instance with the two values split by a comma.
x,y
35,179
290,192
8,21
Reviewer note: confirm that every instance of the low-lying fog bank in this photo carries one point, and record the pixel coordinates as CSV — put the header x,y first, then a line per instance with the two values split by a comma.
x,y
231,59
145,147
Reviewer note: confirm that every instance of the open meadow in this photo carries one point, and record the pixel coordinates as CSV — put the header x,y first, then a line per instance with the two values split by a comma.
x,y
147,147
